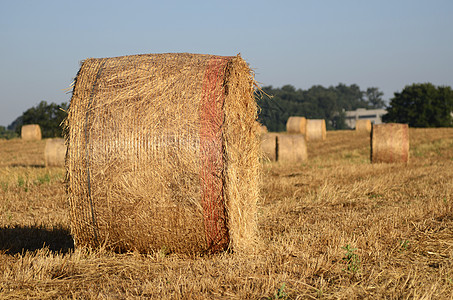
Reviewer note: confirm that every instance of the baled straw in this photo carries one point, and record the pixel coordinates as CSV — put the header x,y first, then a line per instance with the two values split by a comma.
x,y
363,126
31,132
296,125
292,148
163,153
55,152
390,143
316,130
269,146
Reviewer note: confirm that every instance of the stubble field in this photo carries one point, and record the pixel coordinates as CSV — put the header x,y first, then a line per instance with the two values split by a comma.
x,y
335,227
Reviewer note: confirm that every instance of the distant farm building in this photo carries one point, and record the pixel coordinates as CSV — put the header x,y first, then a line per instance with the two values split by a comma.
x,y
374,115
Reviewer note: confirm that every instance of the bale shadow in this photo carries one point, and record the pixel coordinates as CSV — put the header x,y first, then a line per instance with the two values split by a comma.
x,y
34,166
19,239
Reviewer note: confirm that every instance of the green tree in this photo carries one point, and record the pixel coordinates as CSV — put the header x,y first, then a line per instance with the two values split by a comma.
x,y
325,101
374,97
48,116
350,97
274,107
422,105
7,134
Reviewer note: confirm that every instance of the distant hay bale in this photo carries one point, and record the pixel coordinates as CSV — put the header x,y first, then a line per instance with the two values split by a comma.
x,y
316,130
363,126
269,146
31,132
55,152
163,153
296,125
291,148
262,128
390,143
284,147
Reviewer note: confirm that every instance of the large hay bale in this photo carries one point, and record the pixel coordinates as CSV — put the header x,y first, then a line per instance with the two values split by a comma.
x,y
269,146
163,153
390,143
31,132
363,126
291,148
316,130
55,152
296,125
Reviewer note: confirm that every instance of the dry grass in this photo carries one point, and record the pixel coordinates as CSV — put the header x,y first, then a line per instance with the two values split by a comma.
x,y
397,217
17,152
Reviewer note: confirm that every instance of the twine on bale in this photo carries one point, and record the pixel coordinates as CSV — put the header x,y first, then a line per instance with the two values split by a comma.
x,y
31,132
390,143
94,227
163,153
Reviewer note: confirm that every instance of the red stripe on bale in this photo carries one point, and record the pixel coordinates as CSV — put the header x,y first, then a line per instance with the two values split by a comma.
x,y
211,146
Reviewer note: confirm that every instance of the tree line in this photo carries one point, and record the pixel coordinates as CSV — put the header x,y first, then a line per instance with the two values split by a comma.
x,y
422,105
419,105
318,102
49,116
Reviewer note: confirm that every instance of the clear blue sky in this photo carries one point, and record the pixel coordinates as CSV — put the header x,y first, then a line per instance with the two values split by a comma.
x,y
386,44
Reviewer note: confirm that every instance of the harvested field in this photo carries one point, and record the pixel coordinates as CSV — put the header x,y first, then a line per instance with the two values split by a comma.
x,y
335,226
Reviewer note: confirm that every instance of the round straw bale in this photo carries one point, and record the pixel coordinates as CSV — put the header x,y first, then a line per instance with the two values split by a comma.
x,y
296,125
269,146
55,152
31,132
390,143
163,153
363,126
316,130
263,129
291,148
